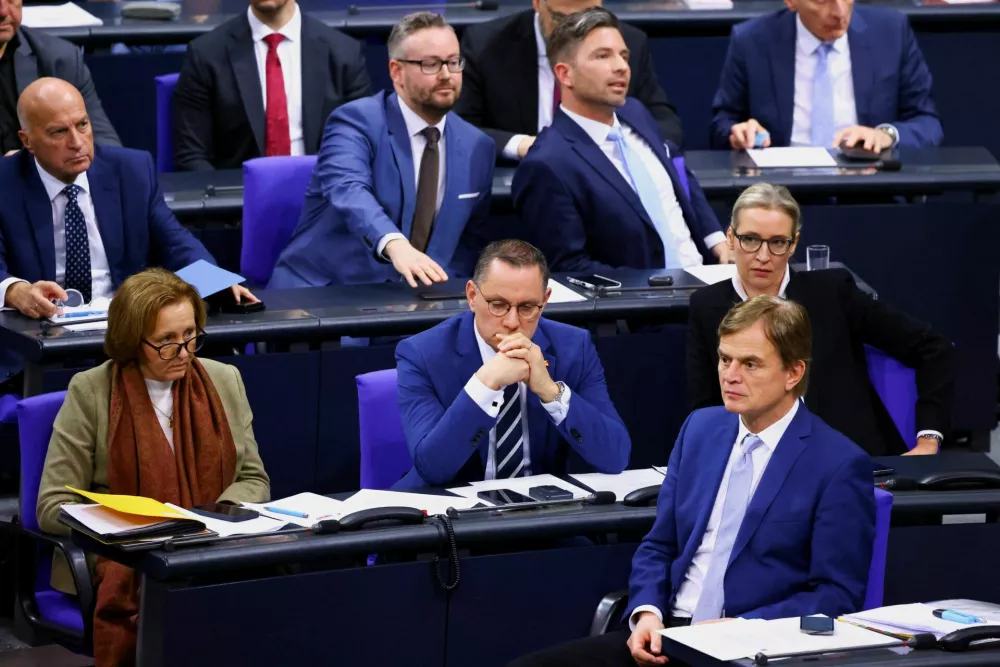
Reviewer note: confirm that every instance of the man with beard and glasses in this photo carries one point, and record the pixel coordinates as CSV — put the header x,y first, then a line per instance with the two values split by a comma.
x,y
401,184
263,83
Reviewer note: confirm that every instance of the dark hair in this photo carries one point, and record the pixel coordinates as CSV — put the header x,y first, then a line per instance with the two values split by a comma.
x,y
410,24
786,325
569,32
514,252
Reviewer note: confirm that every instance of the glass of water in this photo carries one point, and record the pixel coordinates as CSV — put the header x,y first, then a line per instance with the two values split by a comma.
x,y
73,299
817,257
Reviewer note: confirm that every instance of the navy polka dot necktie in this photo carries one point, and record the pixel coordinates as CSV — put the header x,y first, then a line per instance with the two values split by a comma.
x,y
77,245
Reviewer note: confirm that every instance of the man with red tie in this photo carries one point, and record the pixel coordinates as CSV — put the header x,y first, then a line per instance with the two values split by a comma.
x,y
262,84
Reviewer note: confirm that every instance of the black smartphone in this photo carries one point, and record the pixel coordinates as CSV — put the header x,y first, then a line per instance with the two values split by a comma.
x,y
440,296
816,625
225,512
661,281
243,308
594,282
549,492
504,497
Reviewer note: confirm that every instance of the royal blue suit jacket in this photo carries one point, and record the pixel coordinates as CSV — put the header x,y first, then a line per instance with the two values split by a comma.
x,y
448,433
805,545
584,215
138,230
891,81
364,187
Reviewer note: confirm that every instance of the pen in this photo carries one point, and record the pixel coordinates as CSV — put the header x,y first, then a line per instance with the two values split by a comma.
x,y
89,313
957,616
279,510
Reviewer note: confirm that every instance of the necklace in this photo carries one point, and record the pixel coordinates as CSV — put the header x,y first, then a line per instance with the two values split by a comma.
x,y
170,418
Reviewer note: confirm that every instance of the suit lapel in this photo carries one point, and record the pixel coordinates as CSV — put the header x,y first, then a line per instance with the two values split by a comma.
x,y
787,452
862,73
783,76
105,193
315,77
244,63
399,139
444,233
39,206
25,64
711,476
525,68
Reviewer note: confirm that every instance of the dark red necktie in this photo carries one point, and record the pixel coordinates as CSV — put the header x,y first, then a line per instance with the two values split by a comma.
x,y
556,99
277,139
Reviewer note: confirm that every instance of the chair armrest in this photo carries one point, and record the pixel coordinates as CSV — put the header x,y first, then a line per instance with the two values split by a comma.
x,y
609,609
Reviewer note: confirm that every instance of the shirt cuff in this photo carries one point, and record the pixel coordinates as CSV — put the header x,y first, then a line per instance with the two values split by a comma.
x,y
510,150
638,610
559,408
488,399
919,433
3,289
714,239
384,241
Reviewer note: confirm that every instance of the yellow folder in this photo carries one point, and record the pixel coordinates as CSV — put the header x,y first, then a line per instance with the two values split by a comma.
x,y
137,505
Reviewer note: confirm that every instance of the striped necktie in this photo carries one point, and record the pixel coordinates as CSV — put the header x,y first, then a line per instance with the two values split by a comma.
x,y
509,456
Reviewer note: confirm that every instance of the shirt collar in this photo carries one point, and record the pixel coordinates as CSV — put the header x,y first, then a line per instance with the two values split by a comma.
x,y
808,42
597,130
291,30
738,286
540,40
485,351
54,187
414,123
771,435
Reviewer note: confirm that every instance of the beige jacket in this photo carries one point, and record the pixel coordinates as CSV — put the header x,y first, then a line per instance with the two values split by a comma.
x,y
78,451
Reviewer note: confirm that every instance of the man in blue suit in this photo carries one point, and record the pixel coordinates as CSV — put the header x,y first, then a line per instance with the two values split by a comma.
x,y
820,74
503,392
598,189
765,512
402,184
73,217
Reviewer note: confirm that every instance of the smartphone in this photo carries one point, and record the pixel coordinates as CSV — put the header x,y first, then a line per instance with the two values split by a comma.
x,y
243,308
225,512
549,492
594,282
504,497
816,625
661,280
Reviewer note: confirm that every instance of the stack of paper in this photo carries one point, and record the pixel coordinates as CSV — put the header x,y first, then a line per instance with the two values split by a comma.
x,y
563,294
222,528
370,498
118,518
518,484
623,483
58,16
910,619
792,157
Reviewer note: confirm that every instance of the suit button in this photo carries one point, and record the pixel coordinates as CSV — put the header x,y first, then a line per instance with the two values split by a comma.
x,y
576,434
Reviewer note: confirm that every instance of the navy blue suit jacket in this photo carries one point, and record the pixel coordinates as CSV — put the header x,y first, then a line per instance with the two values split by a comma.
x,y
364,187
448,433
891,81
806,541
580,211
137,228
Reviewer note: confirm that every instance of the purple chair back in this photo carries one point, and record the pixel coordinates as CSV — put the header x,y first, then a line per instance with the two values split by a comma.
x,y
876,574
896,385
274,189
385,457
35,416
681,166
165,121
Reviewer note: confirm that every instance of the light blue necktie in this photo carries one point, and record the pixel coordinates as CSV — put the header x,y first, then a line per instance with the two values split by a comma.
x,y
712,601
644,186
823,126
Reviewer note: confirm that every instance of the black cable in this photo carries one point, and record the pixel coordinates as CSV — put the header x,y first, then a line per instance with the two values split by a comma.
x,y
452,555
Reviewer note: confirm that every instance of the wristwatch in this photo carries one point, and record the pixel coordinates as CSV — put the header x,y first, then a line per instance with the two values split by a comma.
x,y
562,390
932,436
891,131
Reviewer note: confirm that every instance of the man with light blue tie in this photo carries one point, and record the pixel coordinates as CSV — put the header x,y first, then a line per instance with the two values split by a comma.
x,y
598,189
765,512
825,73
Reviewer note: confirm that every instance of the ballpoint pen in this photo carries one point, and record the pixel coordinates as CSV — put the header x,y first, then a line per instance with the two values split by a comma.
x,y
279,510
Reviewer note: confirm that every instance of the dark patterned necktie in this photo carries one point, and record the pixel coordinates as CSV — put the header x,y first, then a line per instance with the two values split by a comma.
x,y
510,435
427,188
78,274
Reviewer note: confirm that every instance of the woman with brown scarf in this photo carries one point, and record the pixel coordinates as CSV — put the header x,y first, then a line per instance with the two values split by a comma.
x,y
153,421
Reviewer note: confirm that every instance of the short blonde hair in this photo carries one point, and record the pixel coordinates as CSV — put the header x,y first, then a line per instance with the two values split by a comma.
x,y
771,197
786,325
137,304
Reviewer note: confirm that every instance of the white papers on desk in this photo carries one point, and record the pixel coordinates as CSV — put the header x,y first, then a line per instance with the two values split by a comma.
x,y
742,638
58,16
623,483
98,308
792,157
317,508
518,484
88,326
909,619
985,610
370,498
563,294
712,273
258,526
103,521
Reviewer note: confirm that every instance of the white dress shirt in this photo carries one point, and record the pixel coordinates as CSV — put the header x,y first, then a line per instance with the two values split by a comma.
x,y
100,271
414,126
491,401
690,590
290,56
546,92
680,235
845,112
161,395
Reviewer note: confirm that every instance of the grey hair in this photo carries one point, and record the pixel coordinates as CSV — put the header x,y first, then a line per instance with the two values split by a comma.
x,y
569,32
410,24
771,197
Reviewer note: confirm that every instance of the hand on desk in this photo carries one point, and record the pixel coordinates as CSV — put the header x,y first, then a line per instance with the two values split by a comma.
x,y
868,138
924,446
645,642
413,264
743,136
242,294
35,300
519,346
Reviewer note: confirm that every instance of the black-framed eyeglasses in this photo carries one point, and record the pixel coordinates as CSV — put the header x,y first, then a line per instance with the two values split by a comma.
x,y
170,351
434,65
499,307
777,246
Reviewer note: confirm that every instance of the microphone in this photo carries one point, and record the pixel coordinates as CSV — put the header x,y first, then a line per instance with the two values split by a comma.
x,y
600,498
899,484
482,5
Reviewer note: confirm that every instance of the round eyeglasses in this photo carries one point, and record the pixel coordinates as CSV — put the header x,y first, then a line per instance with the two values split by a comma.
x,y
170,351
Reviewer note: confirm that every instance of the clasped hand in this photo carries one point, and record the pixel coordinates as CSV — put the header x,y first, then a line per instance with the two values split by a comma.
x,y
518,359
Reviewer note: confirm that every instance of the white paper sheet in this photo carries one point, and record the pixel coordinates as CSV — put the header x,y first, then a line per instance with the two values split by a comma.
x,y
316,506
260,525
104,521
661,469
563,294
623,483
369,498
88,326
712,273
792,156
58,16
909,618
519,484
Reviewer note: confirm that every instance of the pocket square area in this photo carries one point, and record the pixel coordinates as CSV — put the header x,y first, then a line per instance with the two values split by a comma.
x,y
468,195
